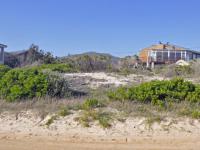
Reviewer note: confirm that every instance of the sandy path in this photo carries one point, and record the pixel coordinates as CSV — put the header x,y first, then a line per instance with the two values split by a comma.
x,y
136,143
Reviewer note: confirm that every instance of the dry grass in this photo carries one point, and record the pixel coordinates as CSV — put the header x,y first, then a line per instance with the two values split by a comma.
x,y
41,107
136,109
104,118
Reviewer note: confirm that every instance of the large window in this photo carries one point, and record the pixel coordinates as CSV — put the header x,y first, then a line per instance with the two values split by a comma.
x,y
153,56
159,56
172,56
165,56
189,56
183,55
198,56
178,55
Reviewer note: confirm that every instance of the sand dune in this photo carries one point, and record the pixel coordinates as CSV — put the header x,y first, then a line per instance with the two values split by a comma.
x,y
28,131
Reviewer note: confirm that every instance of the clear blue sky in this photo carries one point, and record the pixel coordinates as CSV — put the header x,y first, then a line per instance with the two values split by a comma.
x,y
119,27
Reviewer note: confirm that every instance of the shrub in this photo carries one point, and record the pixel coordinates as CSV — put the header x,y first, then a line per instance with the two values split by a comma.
x,y
190,112
61,68
195,114
63,112
194,96
3,70
183,70
90,103
51,120
176,89
23,83
157,92
151,120
18,84
57,86
103,118
120,94
173,70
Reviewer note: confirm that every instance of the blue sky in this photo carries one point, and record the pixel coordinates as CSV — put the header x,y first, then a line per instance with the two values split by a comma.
x,y
119,27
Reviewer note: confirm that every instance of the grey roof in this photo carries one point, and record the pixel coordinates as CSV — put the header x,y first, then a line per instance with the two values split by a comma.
x,y
18,52
2,45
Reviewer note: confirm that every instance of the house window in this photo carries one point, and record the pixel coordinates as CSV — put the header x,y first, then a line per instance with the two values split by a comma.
x,y
153,56
159,56
165,56
178,56
172,56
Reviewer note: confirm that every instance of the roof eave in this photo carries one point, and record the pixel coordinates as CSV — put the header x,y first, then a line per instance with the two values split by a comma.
x,y
2,45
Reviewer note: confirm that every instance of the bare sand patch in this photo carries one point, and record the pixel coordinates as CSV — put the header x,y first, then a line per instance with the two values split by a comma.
x,y
97,79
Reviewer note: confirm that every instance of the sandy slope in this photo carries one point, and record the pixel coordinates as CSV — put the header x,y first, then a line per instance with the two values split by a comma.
x,y
97,79
27,131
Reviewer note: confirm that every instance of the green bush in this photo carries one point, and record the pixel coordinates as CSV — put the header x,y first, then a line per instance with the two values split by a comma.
x,y
195,114
3,70
51,120
57,86
104,118
57,67
64,111
158,92
120,94
61,68
194,96
183,70
90,103
23,83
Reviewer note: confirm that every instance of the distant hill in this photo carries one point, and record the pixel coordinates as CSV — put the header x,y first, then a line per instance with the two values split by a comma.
x,y
93,54
92,61
85,62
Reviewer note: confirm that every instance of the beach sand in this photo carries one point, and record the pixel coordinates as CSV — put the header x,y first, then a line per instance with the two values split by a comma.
x,y
28,132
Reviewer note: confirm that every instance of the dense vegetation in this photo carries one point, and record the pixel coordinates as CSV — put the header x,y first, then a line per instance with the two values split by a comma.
x,y
159,92
57,67
89,62
3,70
24,83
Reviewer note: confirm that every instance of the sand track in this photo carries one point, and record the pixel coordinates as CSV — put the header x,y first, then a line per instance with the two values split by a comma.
x,y
19,142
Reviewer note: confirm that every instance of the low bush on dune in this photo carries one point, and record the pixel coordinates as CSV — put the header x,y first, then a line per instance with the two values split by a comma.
x,y
57,67
23,83
159,92
3,70
90,104
57,86
27,83
61,68
104,119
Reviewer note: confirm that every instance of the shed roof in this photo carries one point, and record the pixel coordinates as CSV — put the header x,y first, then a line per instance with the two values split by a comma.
x,y
2,45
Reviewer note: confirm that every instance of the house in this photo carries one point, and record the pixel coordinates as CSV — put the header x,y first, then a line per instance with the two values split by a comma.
x,y
166,54
2,47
